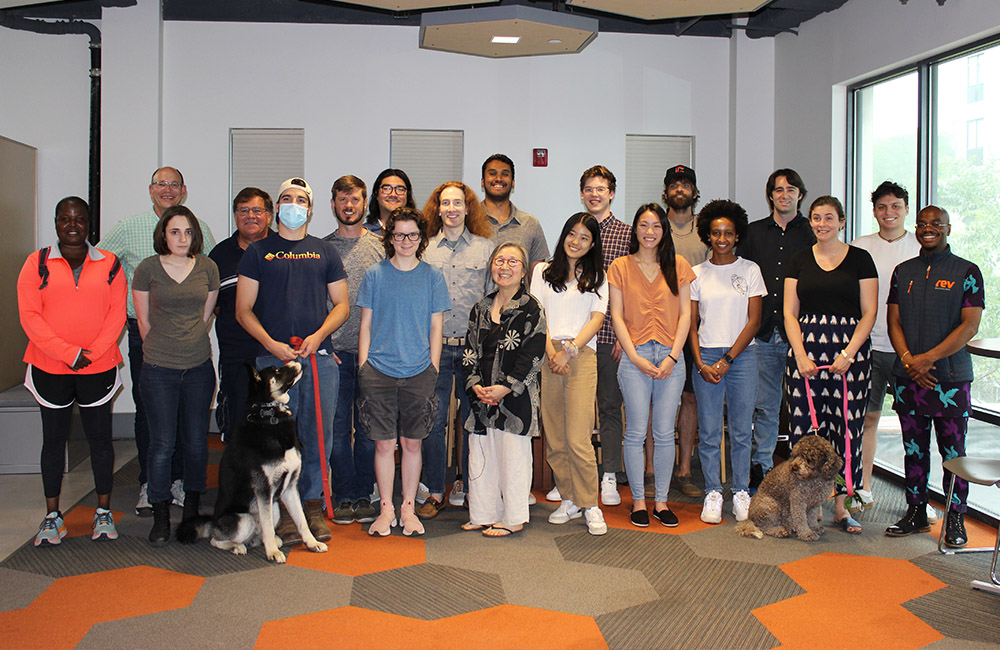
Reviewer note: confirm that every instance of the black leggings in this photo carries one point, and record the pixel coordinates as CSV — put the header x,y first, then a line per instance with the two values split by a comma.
x,y
56,424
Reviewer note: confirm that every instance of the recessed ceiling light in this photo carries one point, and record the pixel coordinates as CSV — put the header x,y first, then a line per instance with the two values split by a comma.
x,y
506,39
554,41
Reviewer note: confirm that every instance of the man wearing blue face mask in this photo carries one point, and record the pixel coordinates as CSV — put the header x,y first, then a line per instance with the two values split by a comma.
x,y
282,291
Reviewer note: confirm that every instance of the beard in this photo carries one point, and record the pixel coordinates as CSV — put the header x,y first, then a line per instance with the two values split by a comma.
x,y
680,202
358,217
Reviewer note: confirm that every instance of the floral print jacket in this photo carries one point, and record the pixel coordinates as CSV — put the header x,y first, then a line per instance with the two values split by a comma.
x,y
517,364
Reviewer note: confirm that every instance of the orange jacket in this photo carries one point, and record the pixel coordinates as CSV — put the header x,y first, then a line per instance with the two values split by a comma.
x,y
64,318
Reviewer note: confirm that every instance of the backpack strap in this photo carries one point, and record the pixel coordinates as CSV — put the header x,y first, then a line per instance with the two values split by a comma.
x,y
115,268
43,269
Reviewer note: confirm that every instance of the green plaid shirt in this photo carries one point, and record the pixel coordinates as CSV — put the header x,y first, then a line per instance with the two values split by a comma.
x,y
132,241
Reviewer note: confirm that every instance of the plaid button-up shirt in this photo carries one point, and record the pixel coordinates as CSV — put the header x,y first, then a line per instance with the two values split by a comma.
x,y
615,236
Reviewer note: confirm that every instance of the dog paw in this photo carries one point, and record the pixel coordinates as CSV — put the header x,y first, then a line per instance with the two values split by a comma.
x,y
811,536
240,549
781,531
278,542
318,547
277,557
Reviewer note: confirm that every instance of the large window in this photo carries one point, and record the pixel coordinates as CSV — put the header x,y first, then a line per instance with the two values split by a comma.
x,y
934,127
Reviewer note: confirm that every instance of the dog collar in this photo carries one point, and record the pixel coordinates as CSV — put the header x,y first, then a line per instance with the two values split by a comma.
x,y
270,411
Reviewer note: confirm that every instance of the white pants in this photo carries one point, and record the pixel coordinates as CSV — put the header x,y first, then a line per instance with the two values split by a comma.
x,y
499,478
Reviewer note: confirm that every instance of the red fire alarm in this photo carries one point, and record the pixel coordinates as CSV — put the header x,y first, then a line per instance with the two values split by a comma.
x,y
541,158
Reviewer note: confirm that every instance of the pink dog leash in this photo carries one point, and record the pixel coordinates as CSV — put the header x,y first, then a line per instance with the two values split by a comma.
x,y
847,432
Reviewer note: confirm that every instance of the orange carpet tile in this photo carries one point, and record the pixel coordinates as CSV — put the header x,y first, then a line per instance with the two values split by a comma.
x,y
860,598
80,520
353,552
495,628
980,535
65,612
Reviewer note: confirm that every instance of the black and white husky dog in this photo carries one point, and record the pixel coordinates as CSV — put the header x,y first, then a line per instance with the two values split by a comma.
x,y
260,465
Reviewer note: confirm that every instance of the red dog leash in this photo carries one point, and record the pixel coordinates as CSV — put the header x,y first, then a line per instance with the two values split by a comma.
x,y
323,460
847,432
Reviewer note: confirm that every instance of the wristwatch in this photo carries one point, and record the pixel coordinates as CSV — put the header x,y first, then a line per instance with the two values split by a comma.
x,y
728,358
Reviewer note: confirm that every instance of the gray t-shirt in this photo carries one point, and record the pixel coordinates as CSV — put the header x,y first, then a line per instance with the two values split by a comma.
x,y
178,335
357,255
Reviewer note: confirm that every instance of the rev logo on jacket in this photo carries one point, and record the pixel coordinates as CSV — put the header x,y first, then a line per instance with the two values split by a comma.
x,y
946,285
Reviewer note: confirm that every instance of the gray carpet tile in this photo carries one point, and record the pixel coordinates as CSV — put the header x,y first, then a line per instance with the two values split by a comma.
x,y
228,611
427,591
683,624
79,555
960,612
960,644
20,588
956,569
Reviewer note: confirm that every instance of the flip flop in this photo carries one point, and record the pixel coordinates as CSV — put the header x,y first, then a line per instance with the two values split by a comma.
x,y
500,531
847,523
469,526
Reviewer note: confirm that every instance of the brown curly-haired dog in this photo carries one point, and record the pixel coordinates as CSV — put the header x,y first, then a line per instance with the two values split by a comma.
x,y
789,498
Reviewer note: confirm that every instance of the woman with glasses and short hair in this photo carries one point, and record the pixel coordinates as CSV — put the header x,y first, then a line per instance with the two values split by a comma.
x,y
504,350
402,301
392,190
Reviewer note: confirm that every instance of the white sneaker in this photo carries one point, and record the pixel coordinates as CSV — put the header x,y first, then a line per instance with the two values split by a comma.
x,y
422,493
595,521
177,492
567,510
932,514
374,496
609,490
142,507
741,505
457,496
711,513
531,499
553,495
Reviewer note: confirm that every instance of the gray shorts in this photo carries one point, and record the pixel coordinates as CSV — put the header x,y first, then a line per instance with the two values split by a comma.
x,y
387,405
881,377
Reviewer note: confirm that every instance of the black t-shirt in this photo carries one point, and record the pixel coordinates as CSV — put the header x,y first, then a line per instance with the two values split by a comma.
x,y
234,343
836,292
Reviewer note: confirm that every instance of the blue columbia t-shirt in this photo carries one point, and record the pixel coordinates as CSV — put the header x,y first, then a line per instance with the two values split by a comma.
x,y
402,303
292,277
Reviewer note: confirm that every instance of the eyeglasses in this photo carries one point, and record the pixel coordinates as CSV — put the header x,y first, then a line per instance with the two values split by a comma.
x,y
512,262
937,225
245,211
392,189
174,185
400,236
599,191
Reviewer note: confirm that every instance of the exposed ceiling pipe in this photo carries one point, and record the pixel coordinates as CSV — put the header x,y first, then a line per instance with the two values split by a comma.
x,y
94,33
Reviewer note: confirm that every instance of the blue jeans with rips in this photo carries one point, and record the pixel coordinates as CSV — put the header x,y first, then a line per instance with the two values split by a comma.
x,y
435,448
767,411
638,391
303,406
178,404
738,389
352,467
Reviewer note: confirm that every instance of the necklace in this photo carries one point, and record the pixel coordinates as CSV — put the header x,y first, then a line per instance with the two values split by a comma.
x,y
894,239
677,232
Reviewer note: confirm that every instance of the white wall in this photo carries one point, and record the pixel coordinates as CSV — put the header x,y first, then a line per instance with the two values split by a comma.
x,y
347,93
859,40
46,104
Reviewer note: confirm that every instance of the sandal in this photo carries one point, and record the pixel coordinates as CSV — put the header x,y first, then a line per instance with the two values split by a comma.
x,y
469,526
850,525
496,530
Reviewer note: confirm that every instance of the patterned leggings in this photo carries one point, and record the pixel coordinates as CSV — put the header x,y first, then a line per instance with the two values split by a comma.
x,y
917,461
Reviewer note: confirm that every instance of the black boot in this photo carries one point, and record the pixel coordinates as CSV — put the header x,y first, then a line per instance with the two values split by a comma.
x,y
914,521
160,534
954,531
191,502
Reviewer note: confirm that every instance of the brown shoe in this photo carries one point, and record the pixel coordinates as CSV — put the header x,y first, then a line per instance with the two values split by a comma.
x,y
287,531
431,508
317,521
686,485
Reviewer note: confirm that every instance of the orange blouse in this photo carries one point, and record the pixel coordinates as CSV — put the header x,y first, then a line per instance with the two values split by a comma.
x,y
650,309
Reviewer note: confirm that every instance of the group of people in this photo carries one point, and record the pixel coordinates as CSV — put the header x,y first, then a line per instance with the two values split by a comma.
x,y
679,318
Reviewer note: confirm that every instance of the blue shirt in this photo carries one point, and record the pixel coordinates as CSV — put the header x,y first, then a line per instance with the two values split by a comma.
x,y
402,303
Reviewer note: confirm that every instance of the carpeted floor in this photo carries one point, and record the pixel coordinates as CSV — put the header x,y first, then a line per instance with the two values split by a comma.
x,y
694,586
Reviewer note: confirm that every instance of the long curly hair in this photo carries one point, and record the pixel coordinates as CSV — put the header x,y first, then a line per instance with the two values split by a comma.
x,y
475,216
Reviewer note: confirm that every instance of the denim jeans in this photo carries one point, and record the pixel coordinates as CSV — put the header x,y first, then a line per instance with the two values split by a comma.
x,y
738,389
435,446
638,390
141,425
767,412
303,406
231,401
177,404
352,468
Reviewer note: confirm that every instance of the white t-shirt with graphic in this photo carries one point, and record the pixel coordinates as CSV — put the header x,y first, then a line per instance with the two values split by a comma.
x,y
723,293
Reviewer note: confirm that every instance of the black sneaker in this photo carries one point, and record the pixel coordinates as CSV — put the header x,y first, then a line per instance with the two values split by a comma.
x,y
639,518
344,513
666,517
914,521
364,511
954,532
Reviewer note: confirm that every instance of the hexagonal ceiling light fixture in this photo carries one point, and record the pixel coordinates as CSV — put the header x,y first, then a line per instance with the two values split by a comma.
x,y
413,5
507,31
664,9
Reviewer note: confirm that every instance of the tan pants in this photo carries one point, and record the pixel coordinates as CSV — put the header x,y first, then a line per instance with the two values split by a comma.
x,y
568,420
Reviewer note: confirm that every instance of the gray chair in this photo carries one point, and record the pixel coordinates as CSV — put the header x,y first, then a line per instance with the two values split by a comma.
x,y
984,471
